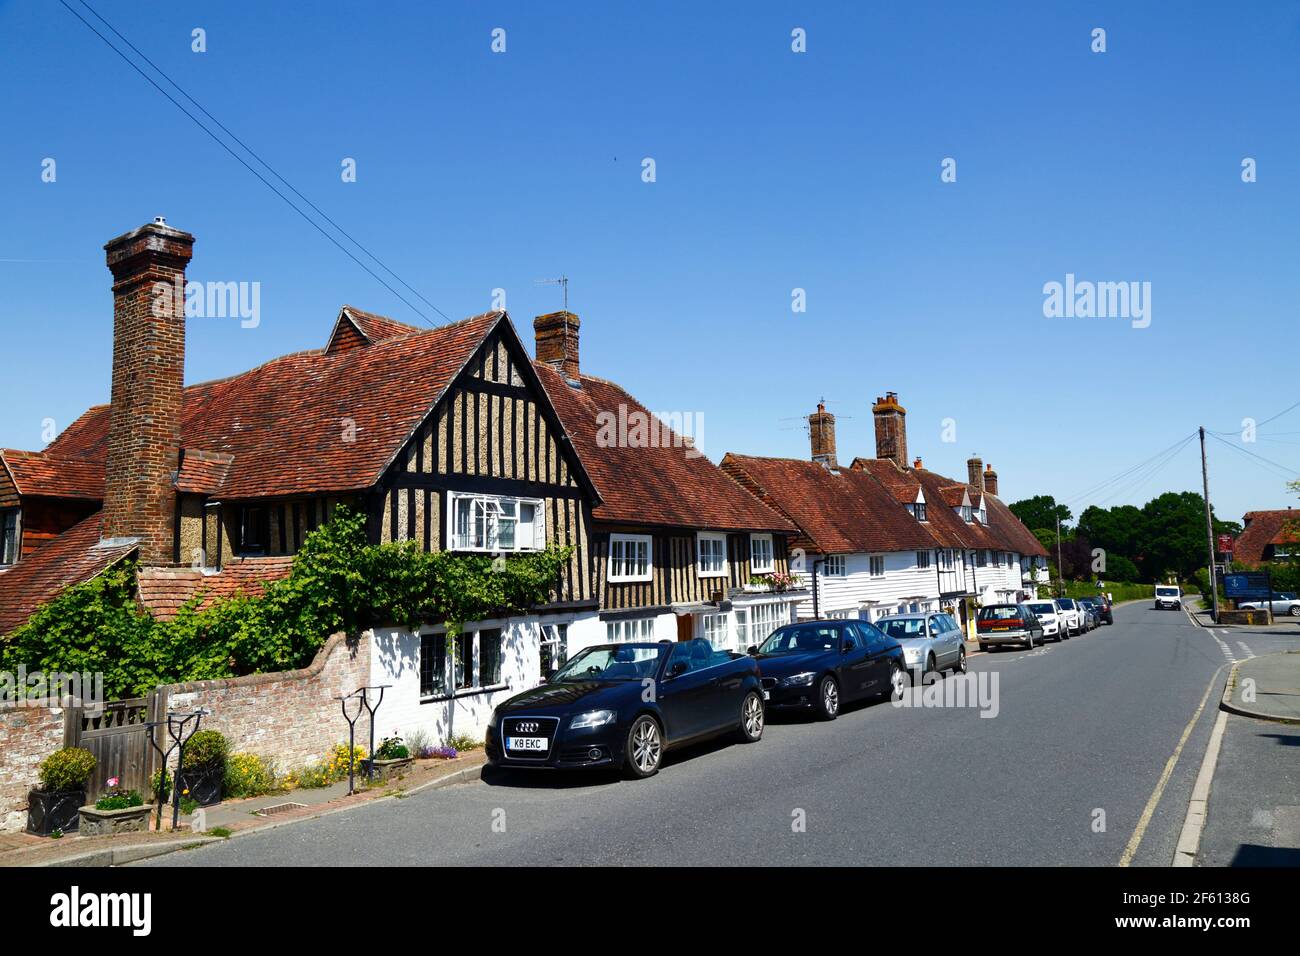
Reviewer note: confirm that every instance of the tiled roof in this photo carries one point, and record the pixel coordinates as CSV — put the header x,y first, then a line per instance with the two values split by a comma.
x,y
164,590
839,512
202,472
311,422
661,485
71,558
356,328
1264,528
49,475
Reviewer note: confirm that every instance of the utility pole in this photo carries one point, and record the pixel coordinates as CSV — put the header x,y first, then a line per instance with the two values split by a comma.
x,y
1060,565
1209,532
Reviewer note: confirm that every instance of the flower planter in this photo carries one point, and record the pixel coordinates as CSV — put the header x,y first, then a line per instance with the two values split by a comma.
x,y
205,784
47,812
386,770
107,822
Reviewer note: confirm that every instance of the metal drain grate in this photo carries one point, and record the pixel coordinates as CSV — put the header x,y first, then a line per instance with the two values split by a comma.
x,y
278,808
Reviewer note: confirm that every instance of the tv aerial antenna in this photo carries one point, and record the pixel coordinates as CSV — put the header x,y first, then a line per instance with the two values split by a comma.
x,y
563,283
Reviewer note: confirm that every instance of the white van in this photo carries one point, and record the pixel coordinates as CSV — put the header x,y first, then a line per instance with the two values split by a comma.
x,y
1168,595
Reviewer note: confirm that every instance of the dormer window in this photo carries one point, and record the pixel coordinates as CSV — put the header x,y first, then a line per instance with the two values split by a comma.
x,y
918,510
8,536
984,515
965,512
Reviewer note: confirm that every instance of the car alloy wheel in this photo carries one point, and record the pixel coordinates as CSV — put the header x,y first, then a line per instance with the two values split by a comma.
x,y
644,747
828,696
931,671
1295,610
751,717
961,661
897,682
1030,642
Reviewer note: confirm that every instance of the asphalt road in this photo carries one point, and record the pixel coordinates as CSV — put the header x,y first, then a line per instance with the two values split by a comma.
x,y
1078,749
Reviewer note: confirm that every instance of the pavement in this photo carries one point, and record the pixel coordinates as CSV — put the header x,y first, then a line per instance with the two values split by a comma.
x,y
1266,687
1088,756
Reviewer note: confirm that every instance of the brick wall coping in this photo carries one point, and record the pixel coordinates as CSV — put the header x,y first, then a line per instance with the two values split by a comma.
x,y
221,683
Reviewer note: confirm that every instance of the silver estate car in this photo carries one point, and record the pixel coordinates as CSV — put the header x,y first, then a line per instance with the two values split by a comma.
x,y
932,642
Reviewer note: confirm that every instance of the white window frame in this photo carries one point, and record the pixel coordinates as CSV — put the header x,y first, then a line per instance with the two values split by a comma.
x,y
713,537
876,565
755,622
754,566
630,630
716,629
492,508
834,566
619,565
468,639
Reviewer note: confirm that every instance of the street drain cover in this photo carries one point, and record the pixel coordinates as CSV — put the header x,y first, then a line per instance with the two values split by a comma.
x,y
278,808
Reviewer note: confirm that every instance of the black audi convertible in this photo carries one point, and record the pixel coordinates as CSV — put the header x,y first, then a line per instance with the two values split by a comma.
x,y
624,705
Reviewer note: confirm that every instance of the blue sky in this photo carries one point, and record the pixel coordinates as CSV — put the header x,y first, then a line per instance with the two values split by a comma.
x,y
775,170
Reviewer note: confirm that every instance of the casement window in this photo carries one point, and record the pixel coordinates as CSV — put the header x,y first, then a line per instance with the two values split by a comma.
x,y
923,559
714,629
966,515
8,536
756,622
712,548
483,647
632,630
493,523
253,527
554,647
630,557
947,559
761,556
876,565
918,510
834,566
433,665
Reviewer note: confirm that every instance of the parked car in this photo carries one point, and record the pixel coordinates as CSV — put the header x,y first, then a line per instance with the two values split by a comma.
x,y
1068,612
1008,624
597,710
1168,596
932,642
821,665
1102,606
1049,616
1283,602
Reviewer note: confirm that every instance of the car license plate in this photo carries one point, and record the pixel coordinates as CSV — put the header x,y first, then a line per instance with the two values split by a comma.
x,y
1004,628
526,743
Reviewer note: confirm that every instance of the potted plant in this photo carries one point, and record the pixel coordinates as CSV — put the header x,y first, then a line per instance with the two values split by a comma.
x,y
117,811
202,775
56,803
758,583
390,759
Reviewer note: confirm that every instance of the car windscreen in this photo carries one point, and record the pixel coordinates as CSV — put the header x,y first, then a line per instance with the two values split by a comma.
x,y
999,612
611,663
901,628
1167,592
1043,608
1067,603
802,639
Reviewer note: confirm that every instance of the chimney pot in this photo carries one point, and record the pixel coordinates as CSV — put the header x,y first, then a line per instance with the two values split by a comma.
x,y
990,480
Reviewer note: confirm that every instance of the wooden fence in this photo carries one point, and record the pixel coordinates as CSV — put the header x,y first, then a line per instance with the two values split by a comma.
x,y
116,734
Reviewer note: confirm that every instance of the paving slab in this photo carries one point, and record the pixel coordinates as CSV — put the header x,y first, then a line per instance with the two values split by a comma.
x,y
1266,687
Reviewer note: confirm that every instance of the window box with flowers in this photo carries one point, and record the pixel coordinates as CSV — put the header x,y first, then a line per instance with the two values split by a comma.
x,y
778,582
55,805
117,811
392,758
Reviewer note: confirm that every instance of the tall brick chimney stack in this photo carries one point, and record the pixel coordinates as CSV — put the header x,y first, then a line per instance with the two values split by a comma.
x,y
975,471
891,429
556,335
144,428
990,480
821,430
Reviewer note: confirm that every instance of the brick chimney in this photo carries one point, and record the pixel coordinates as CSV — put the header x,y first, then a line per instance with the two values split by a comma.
x,y
990,480
556,335
821,430
975,471
144,428
891,429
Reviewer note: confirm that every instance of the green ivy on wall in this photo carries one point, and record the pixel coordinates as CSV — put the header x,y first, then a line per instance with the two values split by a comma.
x,y
338,582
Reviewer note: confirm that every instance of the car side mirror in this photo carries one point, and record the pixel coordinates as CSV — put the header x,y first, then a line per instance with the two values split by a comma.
x,y
677,669
753,650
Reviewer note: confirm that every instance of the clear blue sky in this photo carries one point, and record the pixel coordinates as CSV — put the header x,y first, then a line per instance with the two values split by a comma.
x,y
775,170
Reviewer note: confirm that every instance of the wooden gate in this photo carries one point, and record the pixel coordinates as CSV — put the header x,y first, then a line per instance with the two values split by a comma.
x,y
119,739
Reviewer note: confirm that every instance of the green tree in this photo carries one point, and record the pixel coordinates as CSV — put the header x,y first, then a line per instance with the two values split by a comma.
x,y
1040,512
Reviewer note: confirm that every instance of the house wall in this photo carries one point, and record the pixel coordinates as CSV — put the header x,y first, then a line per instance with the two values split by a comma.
x,y
28,734
903,578
44,519
290,716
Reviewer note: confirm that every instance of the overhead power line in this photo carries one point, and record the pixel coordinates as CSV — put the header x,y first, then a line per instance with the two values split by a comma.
x,y
271,186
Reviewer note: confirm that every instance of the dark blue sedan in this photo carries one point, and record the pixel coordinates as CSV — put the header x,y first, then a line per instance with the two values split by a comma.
x,y
822,665
625,705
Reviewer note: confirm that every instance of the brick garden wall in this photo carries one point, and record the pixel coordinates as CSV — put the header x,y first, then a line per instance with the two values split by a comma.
x,y
27,736
290,716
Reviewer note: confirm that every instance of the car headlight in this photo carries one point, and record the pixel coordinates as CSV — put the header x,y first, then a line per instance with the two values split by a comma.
x,y
592,718
911,654
803,679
